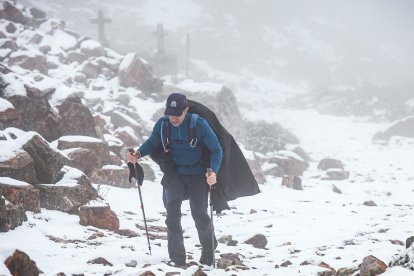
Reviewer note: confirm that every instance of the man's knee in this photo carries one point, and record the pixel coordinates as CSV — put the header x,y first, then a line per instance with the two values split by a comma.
x,y
173,220
202,221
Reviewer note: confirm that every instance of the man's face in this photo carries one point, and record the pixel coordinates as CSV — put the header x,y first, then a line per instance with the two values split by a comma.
x,y
177,120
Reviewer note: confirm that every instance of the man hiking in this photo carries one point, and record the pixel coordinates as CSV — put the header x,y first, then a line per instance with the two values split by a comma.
x,y
185,139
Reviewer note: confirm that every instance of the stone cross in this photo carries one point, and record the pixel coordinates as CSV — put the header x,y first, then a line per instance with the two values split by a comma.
x,y
101,21
159,33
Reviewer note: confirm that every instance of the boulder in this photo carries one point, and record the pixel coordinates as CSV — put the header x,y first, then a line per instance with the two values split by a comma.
x,y
258,241
19,165
37,14
77,119
20,193
12,13
92,48
403,127
47,162
38,115
336,174
112,175
330,163
10,216
290,162
372,266
136,72
100,216
99,147
29,60
9,117
128,137
21,264
85,160
67,195
75,56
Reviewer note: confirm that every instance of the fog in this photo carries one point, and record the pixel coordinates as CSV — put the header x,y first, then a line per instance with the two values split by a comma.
x,y
321,44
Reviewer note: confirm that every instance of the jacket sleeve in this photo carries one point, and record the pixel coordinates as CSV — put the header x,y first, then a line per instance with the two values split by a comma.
x,y
210,140
153,142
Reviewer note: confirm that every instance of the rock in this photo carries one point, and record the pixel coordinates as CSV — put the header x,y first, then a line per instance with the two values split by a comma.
x,y
83,159
47,162
19,166
403,127
38,115
409,242
127,136
336,174
336,189
75,56
148,172
286,263
10,117
10,216
77,119
20,193
127,233
347,271
136,72
67,195
90,70
101,261
372,266
131,263
99,216
112,175
33,60
12,13
21,264
256,168
225,239
229,259
37,14
92,48
369,203
258,241
330,163
96,145
291,163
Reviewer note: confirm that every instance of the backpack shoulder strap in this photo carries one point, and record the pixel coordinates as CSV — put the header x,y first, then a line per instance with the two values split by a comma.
x,y
165,133
192,130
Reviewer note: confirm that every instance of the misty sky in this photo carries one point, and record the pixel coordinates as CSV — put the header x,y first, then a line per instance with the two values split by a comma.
x,y
323,42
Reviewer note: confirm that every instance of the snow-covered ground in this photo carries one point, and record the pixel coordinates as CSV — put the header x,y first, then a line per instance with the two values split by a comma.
x,y
314,225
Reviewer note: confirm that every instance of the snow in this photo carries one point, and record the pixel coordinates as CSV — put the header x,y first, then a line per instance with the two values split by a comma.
x,y
12,182
126,62
60,40
5,104
90,45
80,138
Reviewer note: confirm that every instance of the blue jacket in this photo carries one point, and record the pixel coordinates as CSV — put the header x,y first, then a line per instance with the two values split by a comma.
x,y
187,158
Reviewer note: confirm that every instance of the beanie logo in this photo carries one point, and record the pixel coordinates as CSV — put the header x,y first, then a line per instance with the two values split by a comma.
x,y
173,104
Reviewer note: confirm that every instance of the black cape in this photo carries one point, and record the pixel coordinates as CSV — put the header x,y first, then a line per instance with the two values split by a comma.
x,y
235,179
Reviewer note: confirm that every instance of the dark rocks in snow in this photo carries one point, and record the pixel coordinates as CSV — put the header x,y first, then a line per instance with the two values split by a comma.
x,y
47,162
330,163
12,13
24,195
20,167
293,182
344,271
136,72
37,14
258,241
99,216
230,259
256,169
77,119
336,189
85,160
101,261
21,264
409,242
67,195
38,115
10,216
286,263
369,203
30,61
372,266
96,145
225,239
112,175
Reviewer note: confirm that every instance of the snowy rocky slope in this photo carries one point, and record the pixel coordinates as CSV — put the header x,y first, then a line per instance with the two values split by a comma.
x,y
69,109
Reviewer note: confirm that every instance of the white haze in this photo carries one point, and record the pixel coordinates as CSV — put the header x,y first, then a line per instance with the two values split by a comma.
x,y
315,44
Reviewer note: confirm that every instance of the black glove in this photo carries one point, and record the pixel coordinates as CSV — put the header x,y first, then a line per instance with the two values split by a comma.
x,y
139,170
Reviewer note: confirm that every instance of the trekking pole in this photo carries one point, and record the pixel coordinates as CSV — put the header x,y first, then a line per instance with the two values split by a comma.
x,y
142,208
209,170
